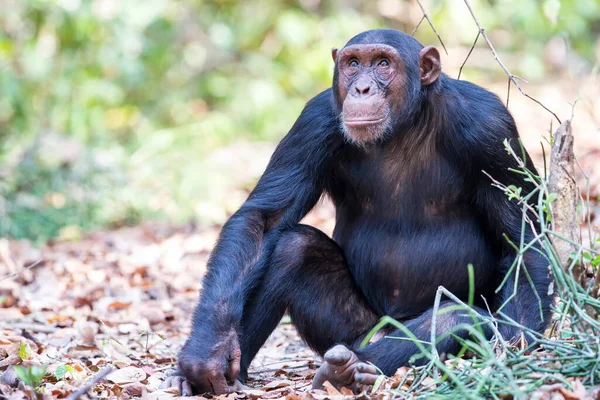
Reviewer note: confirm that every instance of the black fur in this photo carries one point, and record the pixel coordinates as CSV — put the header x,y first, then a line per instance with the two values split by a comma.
x,y
412,212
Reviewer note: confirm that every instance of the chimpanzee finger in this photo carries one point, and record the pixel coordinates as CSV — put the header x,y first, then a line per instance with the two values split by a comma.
x,y
238,386
366,379
172,381
366,374
338,355
202,385
366,368
233,367
186,388
166,383
219,384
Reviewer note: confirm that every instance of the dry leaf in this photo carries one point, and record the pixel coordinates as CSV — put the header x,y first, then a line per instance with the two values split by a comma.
x,y
277,384
86,332
154,315
127,375
578,392
331,389
253,393
10,360
118,305
135,389
346,392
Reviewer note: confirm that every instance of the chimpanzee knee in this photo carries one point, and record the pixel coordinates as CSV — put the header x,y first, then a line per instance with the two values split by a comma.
x,y
303,248
289,280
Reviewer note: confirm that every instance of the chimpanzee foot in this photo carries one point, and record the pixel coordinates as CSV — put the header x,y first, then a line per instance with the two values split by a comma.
x,y
341,367
179,382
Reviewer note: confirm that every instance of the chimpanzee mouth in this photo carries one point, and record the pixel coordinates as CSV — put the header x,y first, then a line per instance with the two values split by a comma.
x,y
363,122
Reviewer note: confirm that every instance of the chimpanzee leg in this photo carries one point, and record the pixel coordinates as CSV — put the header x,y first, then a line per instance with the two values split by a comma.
x,y
390,354
306,274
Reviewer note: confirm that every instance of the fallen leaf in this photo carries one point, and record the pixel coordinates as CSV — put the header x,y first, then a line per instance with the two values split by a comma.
x,y
254,393
86,332
135,389
10,360
118,305
154,315
127,375
277,384
346,392
331,389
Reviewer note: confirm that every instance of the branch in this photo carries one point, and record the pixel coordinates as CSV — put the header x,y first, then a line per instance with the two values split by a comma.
x,y
30,266
90,384
511,77
417,26
468,55
426,17
32,327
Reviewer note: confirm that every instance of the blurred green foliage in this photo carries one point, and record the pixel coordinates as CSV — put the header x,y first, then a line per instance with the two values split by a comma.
x,y
109,109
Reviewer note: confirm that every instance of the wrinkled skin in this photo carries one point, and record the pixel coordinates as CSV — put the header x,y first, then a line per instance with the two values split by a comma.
x,y
342,368
372,86
217,373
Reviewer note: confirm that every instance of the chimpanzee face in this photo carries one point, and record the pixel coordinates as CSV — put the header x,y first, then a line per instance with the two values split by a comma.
x,y
372,87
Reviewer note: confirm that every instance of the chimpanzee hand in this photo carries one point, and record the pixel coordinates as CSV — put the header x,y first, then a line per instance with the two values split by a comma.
x,y
514,336
212,369
341,367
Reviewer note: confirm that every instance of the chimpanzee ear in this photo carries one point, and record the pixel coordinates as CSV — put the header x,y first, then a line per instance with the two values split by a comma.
x,y
429,65
334,54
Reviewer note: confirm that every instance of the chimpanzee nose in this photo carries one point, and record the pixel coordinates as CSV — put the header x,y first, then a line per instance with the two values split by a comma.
x,y
363,87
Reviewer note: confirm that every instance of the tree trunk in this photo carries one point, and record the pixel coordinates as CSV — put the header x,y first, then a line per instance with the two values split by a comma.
x,y
562,182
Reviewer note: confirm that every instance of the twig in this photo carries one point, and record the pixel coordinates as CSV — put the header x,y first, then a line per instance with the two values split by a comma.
x,y
290,360
508,92
90,384
430,24
5,256
267,370
417,26
32,327
468,55
32,265
513,78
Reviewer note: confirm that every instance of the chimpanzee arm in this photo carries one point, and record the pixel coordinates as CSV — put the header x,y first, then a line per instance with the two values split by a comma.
x,y
288,189
525,298
291,185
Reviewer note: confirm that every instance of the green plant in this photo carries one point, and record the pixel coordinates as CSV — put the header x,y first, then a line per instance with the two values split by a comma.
x,y
62,370
31,375
566,355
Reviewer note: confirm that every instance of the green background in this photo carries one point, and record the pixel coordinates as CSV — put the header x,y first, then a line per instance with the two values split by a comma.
x,y
113,111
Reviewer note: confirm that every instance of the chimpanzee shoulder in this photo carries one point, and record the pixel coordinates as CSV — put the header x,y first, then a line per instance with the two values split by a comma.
x,y
480,121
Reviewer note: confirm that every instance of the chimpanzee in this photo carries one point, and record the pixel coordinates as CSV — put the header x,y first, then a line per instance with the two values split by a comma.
x,y
400,148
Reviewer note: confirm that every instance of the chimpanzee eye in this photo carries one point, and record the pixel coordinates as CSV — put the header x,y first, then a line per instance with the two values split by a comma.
x,y
384,63
353,63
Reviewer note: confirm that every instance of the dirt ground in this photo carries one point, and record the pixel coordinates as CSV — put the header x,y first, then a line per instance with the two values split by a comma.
x,y
121,298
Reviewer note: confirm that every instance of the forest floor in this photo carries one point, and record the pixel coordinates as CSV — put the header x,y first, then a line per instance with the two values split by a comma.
x,y
124,299
121,298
